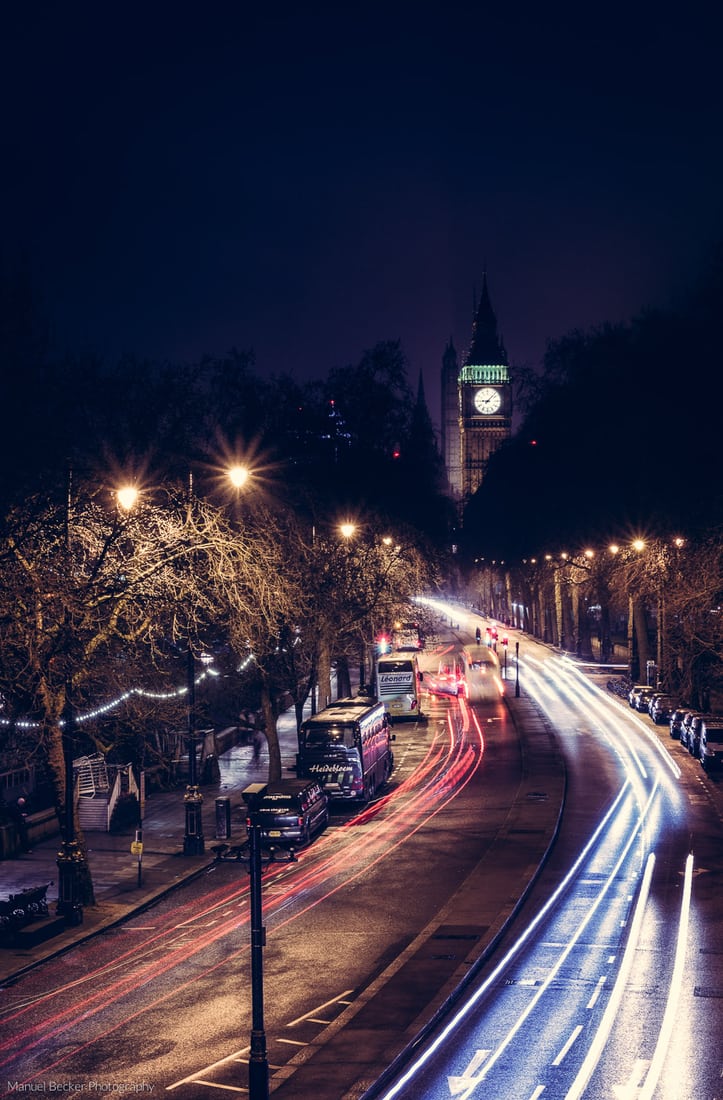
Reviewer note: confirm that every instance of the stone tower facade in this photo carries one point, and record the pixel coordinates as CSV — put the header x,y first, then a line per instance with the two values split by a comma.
x,y
476,403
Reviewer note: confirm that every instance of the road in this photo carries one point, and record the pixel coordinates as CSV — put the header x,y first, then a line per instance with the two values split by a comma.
x,y
360,949
163,1002
611,982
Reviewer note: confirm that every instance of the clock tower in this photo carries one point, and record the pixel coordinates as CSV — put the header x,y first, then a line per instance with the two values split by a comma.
x,y
482,418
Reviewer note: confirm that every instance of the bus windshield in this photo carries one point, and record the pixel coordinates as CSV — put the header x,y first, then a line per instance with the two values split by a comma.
x,y
391,664
318,736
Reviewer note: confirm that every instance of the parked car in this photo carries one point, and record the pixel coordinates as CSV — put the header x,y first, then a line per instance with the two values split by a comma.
x,y
292,811
660,708
634,692
676,721
642,698
711,743
685,727
694,729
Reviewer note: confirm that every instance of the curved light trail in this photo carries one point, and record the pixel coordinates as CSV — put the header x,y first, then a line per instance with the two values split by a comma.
x,y
118,991
463,1056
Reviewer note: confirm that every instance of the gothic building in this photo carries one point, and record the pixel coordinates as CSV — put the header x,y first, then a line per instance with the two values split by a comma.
x,y
476,403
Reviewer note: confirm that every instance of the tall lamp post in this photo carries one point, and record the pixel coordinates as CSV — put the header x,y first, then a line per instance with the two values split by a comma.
x,y
258,1060
70,859
193,839
193,842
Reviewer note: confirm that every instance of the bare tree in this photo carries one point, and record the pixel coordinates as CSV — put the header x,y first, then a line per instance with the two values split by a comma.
x,y
93,594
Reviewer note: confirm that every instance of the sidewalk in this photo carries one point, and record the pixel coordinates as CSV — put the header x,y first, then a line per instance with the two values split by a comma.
x,y
115,869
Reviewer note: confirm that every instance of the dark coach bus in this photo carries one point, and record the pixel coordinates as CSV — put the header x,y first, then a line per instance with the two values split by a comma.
x,y
347,748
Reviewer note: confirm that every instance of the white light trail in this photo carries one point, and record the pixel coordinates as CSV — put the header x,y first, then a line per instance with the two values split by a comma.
x,y
676,983
601,1035
564,955
478,993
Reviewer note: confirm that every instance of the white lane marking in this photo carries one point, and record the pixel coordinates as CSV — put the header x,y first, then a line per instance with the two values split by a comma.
x,y
462,1082
631,1089
573,1036
598,990
320,1008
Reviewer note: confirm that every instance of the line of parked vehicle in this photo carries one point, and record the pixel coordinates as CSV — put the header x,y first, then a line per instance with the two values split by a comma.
x,y
701,734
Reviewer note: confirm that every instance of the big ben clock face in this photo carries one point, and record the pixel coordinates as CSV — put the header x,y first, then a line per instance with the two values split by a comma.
x,y
487,400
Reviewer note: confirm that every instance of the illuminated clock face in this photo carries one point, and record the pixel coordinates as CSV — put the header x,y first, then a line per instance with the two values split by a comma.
x,y
487,400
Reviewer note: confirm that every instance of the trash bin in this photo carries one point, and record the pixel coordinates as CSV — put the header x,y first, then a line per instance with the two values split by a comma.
x,y
223,818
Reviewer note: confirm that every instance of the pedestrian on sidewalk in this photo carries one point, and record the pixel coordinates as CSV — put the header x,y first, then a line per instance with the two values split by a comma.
x,y
258,743
19,818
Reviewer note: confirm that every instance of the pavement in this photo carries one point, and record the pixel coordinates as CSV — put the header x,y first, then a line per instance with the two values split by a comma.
x,y
115,869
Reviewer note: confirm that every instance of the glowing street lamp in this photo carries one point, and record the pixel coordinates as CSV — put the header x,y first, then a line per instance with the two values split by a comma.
x,y
70,858
347,529
238,476
193,839
127,497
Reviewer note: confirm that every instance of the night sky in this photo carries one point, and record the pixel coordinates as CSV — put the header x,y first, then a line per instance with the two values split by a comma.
x,y
308,180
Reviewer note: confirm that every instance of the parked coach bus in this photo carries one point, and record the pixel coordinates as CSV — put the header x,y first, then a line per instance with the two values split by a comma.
x,y
397,685
347,748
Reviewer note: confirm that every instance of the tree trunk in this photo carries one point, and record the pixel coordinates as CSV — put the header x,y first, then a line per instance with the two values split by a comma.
x,y
56,771
270,709
641,633
343,680
558,638
324,680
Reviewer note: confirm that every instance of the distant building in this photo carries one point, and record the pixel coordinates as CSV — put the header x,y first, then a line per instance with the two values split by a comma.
x,y
476,403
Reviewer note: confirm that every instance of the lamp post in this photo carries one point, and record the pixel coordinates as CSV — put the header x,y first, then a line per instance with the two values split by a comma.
x,y
70,859
252,855
258,1060
193,839
517,670
193,842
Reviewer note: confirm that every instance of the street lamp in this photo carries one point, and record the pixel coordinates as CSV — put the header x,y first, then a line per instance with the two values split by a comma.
x,y
193,842
193,839
70,859
258,1060
127,497
238,476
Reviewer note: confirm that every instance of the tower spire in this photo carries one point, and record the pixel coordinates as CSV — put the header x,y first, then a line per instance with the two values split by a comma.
x,y
486,346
